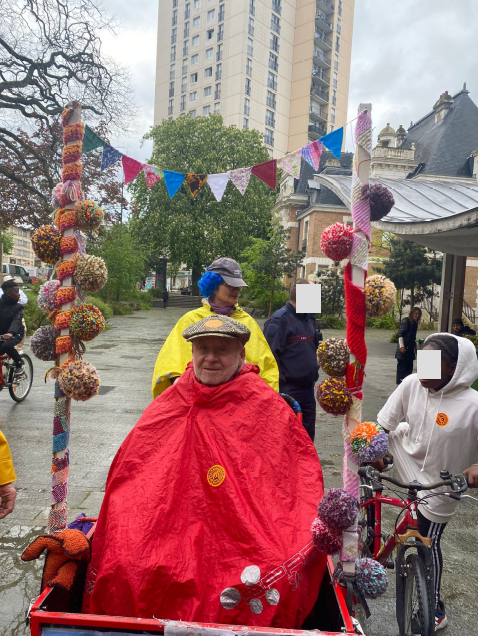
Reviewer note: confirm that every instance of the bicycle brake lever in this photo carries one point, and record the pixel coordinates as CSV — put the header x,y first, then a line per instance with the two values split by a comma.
x,y
455,495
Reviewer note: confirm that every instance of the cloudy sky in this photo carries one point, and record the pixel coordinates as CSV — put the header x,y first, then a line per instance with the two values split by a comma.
x,y
405,54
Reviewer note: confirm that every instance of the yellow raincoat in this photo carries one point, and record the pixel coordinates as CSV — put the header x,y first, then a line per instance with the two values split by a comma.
x,y
7,474
176,352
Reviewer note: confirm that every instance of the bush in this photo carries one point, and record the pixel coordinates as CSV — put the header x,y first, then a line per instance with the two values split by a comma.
x,y
34,316
394,337
121,310
332,322
105,308
143,298
385,322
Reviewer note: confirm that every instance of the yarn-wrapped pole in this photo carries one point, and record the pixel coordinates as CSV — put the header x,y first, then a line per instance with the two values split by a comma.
x,y
57,519
355,274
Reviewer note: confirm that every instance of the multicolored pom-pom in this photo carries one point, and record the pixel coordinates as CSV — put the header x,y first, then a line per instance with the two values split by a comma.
x,y
369,442
47,295
334,397
72,171
333,355
381,200
90,215
65,295
371,578
70,193
325,539
338,509
55,196
336,241
91,273
87,322
79,380
73,132
43,343
72,152
379,296
63,344
46,244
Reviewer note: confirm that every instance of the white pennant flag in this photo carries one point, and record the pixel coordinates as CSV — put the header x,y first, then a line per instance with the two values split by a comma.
x,y
218,183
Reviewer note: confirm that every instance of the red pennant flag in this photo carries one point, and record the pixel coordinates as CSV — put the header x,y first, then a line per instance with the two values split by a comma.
x,y
131,168
267,172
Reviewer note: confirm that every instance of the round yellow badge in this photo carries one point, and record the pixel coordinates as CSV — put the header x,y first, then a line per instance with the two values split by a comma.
x,y
213,324
216,475
442,419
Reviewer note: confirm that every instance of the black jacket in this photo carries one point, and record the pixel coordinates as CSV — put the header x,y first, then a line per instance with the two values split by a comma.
x,y
165,295
11,315
293,340
408,331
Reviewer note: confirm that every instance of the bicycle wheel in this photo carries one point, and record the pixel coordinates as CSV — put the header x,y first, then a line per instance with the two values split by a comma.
x,y
19,385
367,520
416,603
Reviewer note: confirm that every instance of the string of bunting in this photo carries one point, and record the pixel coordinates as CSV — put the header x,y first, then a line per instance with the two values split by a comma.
x,y
266,171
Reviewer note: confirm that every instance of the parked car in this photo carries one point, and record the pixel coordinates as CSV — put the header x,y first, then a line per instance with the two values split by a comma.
x,y
19,273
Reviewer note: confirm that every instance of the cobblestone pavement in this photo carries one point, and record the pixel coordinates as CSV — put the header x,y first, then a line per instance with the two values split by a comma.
x,y
124,356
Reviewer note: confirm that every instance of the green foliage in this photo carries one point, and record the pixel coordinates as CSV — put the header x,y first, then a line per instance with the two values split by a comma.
x,y
33,315
120,309
198,230
104,307
332,322
143,298
394,337
332,292
474,340
7,240
385,322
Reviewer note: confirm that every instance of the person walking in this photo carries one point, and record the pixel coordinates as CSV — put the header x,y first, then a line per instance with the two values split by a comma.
x,y
165,297
293,340
407,345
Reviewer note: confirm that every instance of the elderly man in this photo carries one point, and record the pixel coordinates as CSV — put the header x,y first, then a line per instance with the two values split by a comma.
x,y
210,499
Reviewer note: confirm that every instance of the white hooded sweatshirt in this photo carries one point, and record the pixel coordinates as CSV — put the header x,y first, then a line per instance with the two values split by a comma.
x,y
440,431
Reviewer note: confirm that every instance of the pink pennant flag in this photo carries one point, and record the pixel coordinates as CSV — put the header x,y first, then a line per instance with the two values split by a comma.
x,y
131,168
151,175
311,153
240,178
291,163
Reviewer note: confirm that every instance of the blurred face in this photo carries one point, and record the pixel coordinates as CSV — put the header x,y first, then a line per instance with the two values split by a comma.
x,y
447,372
216,360
417,314
456,328
225,295
13,293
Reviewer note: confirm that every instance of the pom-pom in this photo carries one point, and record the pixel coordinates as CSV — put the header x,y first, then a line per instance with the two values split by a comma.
x,y
87,322
43,343
55,196
381,200
371,578
379,296
68,245
62,320
79,380
72,171
334,397
66,219
64,344
65,116
73,132
47,295
325,539
338,509
90,215
91,273
70,193
369,442
336,241
333,355
46,244
65,295
72,152
66,268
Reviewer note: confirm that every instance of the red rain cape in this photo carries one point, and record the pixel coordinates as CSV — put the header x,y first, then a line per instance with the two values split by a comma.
x,y
210,481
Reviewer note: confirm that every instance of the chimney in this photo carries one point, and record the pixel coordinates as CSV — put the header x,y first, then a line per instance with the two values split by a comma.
x,y
401,134
442,106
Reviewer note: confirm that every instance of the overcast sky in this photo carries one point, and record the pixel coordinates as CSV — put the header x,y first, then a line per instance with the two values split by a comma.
x,y
405,54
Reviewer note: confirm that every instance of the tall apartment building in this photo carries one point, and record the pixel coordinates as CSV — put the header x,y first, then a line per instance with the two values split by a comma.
x,y
279,66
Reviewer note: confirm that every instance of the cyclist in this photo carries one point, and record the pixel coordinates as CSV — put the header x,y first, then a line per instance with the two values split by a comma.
x,y
11,323
433,425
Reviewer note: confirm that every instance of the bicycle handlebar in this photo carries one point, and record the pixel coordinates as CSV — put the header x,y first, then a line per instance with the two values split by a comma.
x,y
457,483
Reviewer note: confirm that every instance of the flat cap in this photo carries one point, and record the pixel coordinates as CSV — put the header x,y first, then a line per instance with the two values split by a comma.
x,y
216,325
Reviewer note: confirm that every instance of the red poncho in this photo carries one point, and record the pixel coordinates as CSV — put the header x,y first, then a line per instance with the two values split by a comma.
x,y
210,481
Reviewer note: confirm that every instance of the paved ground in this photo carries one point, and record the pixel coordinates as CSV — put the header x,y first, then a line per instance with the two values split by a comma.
x,y
124,356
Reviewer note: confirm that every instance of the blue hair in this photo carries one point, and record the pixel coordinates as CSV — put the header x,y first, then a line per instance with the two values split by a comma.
x,y
208,283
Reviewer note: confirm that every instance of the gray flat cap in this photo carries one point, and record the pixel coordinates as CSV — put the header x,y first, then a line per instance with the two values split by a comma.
x,y
216,325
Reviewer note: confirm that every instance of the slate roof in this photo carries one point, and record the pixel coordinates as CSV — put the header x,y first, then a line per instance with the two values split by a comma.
x,y
444,147
301,185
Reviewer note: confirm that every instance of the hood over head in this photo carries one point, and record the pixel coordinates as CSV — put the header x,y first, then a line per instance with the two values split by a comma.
x,y
466,367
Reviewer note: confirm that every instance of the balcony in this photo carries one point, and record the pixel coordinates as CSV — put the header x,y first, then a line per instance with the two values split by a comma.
x,y
323,22
322,40
272,83
247,110
316,131
321,59
220,35
276,6
217,94
270,121
325,6
171,92
319,76
218,75
274,65
221,16
317,113
320,94
219,56
271,102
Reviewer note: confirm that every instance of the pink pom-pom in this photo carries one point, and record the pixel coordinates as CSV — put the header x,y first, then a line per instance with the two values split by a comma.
x,y
338,509
336,241
325,539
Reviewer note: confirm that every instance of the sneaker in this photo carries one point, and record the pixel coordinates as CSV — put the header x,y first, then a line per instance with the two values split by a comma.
x,y
19,368
441,620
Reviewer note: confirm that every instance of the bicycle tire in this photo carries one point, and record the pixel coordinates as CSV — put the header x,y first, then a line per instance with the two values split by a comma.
x,y
417,601
367,521
19,389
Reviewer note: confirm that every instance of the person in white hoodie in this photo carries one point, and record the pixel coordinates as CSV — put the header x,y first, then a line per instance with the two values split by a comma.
x,y
433,425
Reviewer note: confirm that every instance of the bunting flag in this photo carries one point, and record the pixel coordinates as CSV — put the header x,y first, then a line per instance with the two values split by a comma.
x,y
240,178
131,168
91,140
152,175
173,181
333,141
218,183
195,182
291,163
266,172
311,153
110,156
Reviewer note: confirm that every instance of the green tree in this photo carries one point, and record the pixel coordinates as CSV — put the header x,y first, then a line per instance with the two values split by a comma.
x,y
198,230
332,291
266,262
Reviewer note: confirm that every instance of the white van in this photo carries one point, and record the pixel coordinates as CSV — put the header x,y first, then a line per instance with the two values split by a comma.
x,y
19,274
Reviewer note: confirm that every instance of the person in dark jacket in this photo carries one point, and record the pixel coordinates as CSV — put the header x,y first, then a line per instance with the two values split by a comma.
x,y
11,323
459,328
406,347
293,340
165,297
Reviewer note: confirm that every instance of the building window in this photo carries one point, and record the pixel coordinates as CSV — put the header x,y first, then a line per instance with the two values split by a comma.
x,y
275,23
186,48
197,4
184,68
217,92
273,62
207,91
206,111
274,43
222,12
252,7
218,72
339,11
209,34
196,40
250,28
334,97
187,11
219,53
220,32
217,108
186,30
270,118
183,84
208,71
171,89
335,80
170,106
337,43
339,26
175,3
175,17
172,56
269,137
209,53
193,96
332,128
247,106
174,35
332,115
272,81
182,105
248,87
271,99
192,113
276,6
194,59
336,61
172,71
250,46
194,78
245,123
249,67
197,22
211,15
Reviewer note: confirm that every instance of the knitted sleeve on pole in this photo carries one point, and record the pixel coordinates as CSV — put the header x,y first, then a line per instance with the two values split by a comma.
x,y
356,317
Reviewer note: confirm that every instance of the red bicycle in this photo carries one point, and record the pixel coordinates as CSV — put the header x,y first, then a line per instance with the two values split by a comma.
x,y
415,604
19,385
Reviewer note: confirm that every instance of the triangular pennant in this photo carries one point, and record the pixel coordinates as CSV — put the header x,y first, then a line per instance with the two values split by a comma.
x,y
131,168
333,141
110,156
267,172
91,140
173,181
311,153
195,182
152,175
291,163
240,178
218,183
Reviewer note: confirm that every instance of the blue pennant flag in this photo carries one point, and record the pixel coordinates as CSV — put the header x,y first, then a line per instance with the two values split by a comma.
x,y
173,181
333,141
110,157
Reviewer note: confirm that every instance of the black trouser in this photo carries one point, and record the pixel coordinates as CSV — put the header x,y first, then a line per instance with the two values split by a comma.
x,y
433,531
305,396
404,368
165,303
7,347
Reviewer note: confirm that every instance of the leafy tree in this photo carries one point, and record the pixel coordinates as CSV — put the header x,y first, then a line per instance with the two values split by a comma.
x,y
198,230
265,264
332,291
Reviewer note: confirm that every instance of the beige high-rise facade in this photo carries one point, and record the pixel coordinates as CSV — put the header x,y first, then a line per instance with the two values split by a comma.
x,y
279,66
